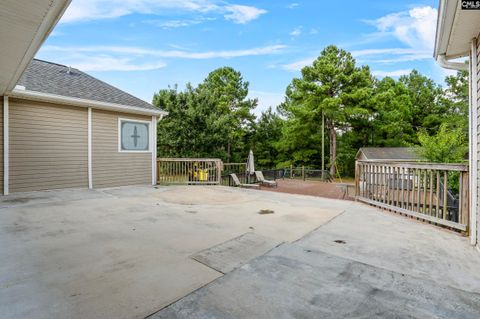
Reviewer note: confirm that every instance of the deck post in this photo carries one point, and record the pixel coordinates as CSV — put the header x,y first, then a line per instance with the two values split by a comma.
x,y
464,204
357,179
6,147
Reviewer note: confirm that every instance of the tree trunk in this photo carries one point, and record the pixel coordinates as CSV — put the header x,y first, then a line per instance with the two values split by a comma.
x,y
323,147
333,149
228,152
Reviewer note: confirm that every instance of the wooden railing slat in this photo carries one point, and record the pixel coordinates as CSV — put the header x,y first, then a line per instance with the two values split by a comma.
x,y
437,211
430,201
420,190
419,187
445,194
425,192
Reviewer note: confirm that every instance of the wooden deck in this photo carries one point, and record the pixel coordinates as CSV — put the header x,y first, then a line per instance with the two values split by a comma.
x,y
433,192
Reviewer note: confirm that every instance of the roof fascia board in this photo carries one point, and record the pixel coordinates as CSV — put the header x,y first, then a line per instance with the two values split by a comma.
x,y
55,12
53,98
447,10
358,153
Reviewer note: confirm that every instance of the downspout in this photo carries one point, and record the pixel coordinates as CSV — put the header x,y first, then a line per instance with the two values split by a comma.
x,y
155,121
444,63
473,146
472,129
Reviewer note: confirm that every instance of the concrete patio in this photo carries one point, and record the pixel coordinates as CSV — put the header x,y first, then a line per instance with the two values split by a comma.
x,y
362,264
125,252
129,252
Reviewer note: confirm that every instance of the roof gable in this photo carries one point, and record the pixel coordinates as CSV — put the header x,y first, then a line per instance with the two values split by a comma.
x,y
389,153
47,77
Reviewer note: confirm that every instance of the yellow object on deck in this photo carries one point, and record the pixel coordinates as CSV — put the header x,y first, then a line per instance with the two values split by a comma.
x,y
201,175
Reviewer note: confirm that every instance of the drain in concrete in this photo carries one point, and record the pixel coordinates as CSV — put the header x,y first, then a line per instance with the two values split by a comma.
x,y
266,211
339,241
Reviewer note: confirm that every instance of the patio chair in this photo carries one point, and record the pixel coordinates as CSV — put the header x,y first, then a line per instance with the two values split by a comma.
x,y
346,190
237,183
263,181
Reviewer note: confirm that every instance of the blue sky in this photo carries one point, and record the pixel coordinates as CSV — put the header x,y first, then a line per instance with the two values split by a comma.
x,y
142,46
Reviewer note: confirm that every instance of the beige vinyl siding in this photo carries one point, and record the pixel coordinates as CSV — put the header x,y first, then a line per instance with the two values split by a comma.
x,y
109,166
48,146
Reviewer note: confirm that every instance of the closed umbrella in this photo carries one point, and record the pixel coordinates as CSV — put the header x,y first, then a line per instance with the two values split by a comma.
x,y
250,163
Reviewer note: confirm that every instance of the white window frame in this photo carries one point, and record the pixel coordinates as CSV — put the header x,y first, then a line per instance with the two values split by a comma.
x,y
123,119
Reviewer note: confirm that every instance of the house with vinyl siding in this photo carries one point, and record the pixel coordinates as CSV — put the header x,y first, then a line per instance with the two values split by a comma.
x,y
60,127
458,36
69,129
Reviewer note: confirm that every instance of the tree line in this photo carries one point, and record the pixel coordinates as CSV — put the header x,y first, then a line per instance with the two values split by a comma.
x,y
334,103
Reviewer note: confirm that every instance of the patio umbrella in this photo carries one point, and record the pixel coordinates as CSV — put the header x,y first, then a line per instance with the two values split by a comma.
x,y
250,163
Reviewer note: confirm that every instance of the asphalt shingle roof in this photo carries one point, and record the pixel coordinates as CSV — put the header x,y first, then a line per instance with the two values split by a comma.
x,y
47,77
390,153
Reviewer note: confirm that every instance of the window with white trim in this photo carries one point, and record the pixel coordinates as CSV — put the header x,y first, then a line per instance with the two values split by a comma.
x,y
134,136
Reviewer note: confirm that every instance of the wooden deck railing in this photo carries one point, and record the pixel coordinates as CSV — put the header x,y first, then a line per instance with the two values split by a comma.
x,y
437,193
240,169
189,171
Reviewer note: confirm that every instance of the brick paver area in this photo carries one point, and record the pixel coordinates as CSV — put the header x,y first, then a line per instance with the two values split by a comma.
x,y
313,188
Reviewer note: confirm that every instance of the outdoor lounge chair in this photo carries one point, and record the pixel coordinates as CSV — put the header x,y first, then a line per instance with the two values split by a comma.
x,y
237,183
263,181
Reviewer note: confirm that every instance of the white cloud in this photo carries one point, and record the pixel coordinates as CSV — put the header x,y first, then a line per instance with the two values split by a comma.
x,y
266,100
395,73
170,24
297,65
293,5
108,63
415,28
117,58
242,14
82,10
402,58
313,31
138,51
87,10
391,55
296,32
394,51
387,56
